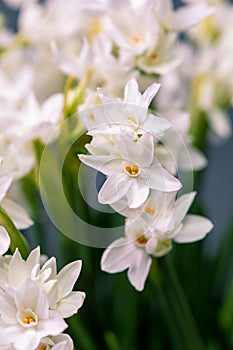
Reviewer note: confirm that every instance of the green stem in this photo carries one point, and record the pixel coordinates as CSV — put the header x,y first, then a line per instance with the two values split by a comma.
x,y
176,299
199,124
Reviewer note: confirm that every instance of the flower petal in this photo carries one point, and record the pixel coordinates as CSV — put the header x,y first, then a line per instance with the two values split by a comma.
x,y
181,208
155,125
118,255
114,188
27,300
195,227
4,240
53,325
17,214
8,333
7,309
5,182
150,93
187,16
67,277
105,164
139,269
159,179
29,339
70,305
138,193
197,159
131,92
141,152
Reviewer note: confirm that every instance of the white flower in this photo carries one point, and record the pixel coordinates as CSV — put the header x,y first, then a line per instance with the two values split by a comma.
x,y
57,287
59,342
184,17
162,58
132,173
151,233
33,121
17,87
129,114
133,31
25,316
15,269
4,240
94,62
175,151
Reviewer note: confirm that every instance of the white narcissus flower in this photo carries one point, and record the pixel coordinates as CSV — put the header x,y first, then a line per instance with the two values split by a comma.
x,y
15,269
130,113
59,342
175,150
184,17
31,120
94,63
151,233
57,286
25,316
17,87
132,173
133,31
4,240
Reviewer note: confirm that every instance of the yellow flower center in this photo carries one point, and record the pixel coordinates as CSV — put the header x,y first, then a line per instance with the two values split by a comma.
x,y
28,319
42,347
149,210
142,240
137,39
132,170
154,57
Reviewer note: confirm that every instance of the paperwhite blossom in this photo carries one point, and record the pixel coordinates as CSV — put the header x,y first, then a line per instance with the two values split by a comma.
x,y
35,318
25,316
57,287
150,234
129,114
59,342
132,173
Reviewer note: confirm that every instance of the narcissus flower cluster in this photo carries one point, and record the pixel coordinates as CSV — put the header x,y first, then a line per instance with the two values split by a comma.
x,y
138,186
35,300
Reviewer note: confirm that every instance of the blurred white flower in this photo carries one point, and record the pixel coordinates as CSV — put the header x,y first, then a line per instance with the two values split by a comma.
x,y
129,114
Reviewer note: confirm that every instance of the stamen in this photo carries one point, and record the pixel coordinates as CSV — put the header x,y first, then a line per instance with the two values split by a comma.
x,y
149,210
132,170
91,116
142,240
137,39
42,347
131,118
28,319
